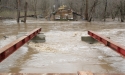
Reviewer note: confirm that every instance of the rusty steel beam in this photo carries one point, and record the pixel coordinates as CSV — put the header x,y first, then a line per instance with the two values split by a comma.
x,y
12,47
115,46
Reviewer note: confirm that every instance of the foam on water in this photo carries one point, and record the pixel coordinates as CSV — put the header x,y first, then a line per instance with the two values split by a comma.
x,y
115,59
42,47
10,61
58,41
9,22
116,35
6,41
64,51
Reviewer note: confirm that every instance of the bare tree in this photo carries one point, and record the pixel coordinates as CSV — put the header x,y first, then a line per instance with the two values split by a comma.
x,y
122,11
25,12
70,3
18,11
105,10
82,7
57,3
0,2
86,11
45,7
92,10
34,7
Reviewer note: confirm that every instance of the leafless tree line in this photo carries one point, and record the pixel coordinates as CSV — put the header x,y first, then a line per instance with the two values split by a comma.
x,y
90,9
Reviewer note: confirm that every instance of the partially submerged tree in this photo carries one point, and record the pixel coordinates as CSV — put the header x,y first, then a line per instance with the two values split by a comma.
x,y
122,10
34,7
45,8
86,10
25,12
57,3
92,11
18,10
105,10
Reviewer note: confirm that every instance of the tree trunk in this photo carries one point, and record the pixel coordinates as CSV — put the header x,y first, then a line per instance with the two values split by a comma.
x,y
121,11
86,11
35,8
82,7
92,10
25,7
81,11
57,3
105,11
18,11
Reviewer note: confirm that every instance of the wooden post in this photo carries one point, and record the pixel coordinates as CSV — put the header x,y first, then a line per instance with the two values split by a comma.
x,y
18,11
25,12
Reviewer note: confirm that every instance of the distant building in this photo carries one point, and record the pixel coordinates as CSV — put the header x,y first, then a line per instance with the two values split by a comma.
x,y
63,14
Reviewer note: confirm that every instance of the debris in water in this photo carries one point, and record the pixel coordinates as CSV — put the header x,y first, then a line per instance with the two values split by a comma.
x,y
75,34
5,37
40,47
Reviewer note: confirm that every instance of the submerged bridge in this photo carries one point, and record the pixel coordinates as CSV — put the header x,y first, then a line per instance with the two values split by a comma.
x,y
106,41
12,47
15,45
79,73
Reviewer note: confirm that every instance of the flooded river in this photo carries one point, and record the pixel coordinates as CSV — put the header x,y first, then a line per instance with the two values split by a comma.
x,y
63,51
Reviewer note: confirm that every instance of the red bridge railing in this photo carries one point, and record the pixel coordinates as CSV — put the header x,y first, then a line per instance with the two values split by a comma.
x,y
115,46
12,47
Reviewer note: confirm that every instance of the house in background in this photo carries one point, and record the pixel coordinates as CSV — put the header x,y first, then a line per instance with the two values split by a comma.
x,y
63,14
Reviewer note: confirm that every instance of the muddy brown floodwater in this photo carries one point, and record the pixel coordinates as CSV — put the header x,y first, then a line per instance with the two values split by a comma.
x,y
63,51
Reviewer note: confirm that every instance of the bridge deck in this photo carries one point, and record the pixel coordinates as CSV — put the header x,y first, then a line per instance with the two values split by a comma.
x,y
81,73
114,45
15,45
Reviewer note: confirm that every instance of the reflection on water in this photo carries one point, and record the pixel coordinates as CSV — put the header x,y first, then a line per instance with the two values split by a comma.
x,y
63,51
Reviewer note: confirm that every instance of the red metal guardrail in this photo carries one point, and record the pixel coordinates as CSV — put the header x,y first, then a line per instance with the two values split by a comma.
x,y
115,46
12,47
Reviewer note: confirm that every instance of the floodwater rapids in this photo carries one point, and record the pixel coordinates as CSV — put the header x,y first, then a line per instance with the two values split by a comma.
x,y
63,51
